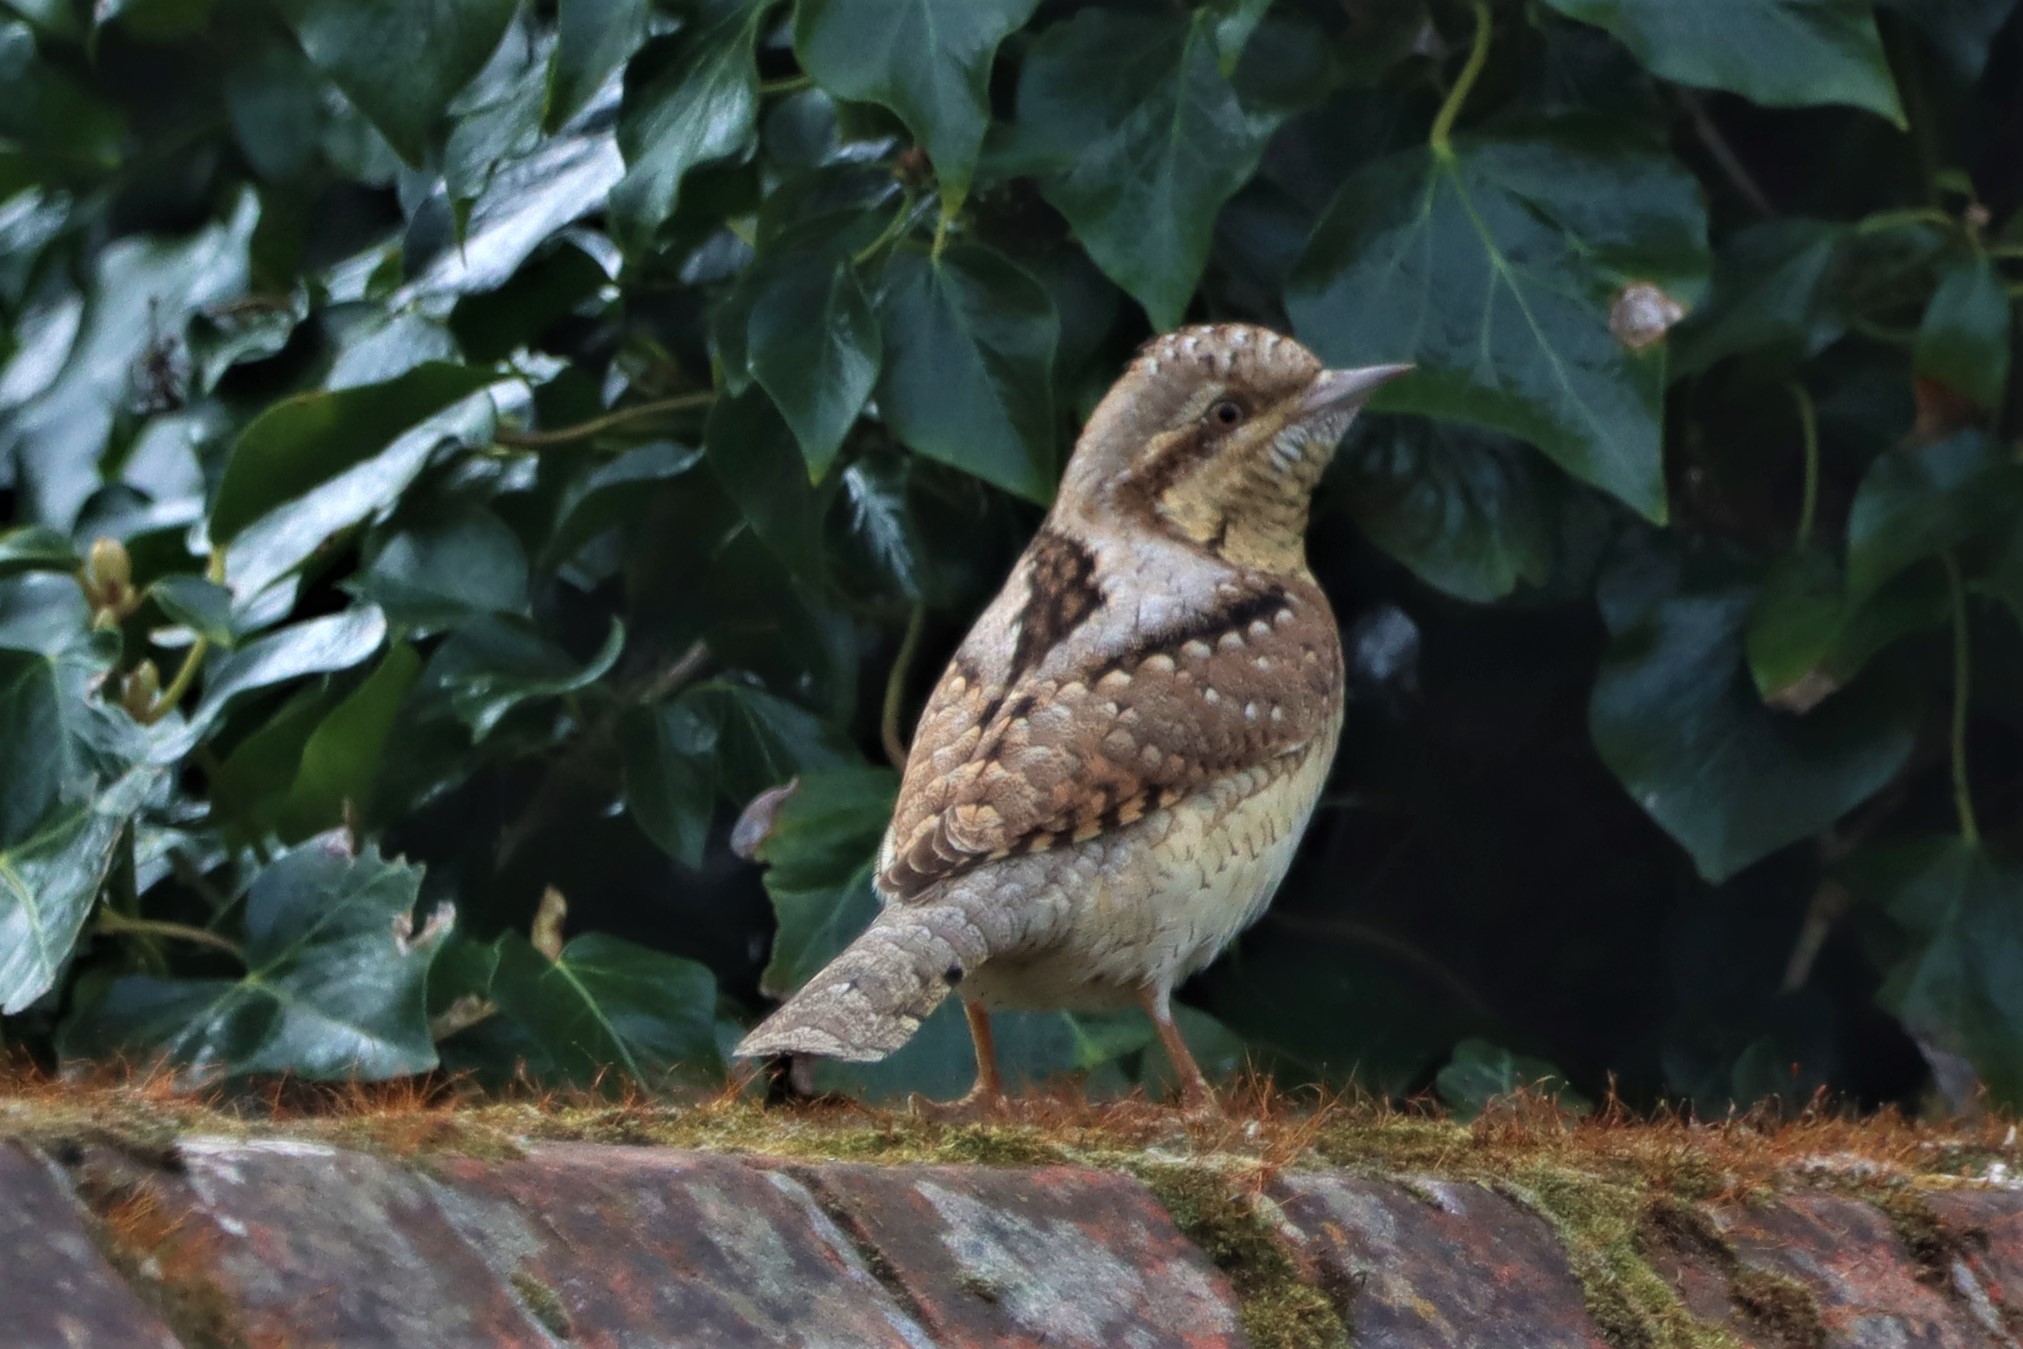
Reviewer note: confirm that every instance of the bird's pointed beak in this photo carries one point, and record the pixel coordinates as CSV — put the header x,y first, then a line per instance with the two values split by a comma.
x,y
1335,390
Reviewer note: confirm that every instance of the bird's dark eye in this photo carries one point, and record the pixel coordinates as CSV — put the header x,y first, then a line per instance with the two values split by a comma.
x,y
1226,412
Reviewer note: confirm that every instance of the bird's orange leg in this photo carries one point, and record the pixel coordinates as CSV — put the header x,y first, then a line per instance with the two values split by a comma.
x,y
1194,1092
986,1099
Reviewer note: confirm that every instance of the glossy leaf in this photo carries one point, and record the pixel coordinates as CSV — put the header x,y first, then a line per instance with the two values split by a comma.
x,y
1772,295
1780,53
753,453
50,880
442,572
401,61
1677,719
813,344
670,787
1915,503
927,60
204,607
593,39
1481,1072
318,646
493,665
820,855
1151,140
1963,342
969,343
1494,266
1464,510
695,100
609,1006
1961,989
335,984
311,438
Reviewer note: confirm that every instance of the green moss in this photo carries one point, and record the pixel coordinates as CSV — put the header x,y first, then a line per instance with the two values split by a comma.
x,y
1278,1307
1778,1305
543,1303
1600,1223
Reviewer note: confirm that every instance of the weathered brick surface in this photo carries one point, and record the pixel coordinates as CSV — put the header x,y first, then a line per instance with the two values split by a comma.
x,y
1440,1264
55,1287
1054,1256
279,1242
632,1242
319,1247
1868,1288
1987,1227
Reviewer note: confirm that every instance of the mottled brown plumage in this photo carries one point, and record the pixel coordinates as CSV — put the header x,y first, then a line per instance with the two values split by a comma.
x,y
1107,783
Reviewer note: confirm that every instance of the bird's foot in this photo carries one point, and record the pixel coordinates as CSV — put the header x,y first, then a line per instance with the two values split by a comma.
x,y
979,1105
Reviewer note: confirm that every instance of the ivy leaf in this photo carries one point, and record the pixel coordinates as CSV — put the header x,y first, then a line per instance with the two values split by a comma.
x,y
401,61
927,60
812,342
496,663
1915,503
50,880
820,855
1961,29
670,788
1962,988
1780,53
593,38
1494,265
607,1004
1963,342
1772,297
342,758
318,646
689,99
1463,509
1480,1072
302,441
202,606
445,571
335,984
1151,140
1807,637
1677,719
752,450
969,345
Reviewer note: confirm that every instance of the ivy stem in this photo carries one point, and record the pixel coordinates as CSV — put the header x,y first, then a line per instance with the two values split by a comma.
x,y
1963,800
893,229
791,84
186,674
563,435
895,687
1808,425
193,659
1478,57
1915,215
115,923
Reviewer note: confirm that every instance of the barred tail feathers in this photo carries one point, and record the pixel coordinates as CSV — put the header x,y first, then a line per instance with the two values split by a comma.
x,y
872,997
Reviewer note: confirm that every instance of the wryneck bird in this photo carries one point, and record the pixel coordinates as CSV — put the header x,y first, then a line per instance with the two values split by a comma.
x,y
1109,780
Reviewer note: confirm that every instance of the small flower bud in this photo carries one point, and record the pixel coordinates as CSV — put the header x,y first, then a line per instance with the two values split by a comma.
x,y
108,582
137,694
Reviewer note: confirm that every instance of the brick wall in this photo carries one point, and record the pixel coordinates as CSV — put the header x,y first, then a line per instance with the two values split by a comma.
x,y
286,1237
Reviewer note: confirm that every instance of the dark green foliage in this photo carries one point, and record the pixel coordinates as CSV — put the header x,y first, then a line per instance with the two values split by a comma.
x,y
513,438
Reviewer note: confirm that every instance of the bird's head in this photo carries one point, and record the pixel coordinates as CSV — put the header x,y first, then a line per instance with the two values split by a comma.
x,y
1218,434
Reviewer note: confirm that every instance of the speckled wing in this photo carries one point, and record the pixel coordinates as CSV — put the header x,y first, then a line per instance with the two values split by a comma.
x,y
1058,721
